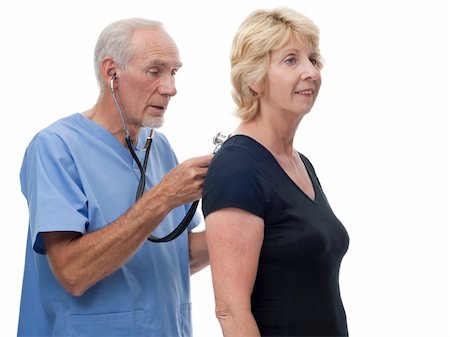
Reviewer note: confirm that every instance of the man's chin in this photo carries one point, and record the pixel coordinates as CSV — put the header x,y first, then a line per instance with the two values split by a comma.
x,y
153,122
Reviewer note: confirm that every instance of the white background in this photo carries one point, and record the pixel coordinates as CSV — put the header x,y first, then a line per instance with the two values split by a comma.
x,y
378,134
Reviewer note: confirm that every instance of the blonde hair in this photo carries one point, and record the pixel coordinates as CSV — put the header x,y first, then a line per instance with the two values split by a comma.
x,y
260,33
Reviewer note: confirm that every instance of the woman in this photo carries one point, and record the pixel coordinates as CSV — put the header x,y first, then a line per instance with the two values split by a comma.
x,y
275,245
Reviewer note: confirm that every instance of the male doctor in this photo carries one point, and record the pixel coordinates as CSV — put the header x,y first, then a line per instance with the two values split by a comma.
x,y
90,270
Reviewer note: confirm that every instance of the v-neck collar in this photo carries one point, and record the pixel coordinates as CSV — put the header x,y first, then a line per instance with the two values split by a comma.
x,y
276,163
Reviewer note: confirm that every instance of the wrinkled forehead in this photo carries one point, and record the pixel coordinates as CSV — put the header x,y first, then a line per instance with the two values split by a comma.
x,y
156,44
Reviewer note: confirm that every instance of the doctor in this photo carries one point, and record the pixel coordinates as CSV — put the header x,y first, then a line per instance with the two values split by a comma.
x,y
90,270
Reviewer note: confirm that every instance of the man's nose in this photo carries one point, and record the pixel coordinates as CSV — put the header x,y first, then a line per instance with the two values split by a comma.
x,y
167,86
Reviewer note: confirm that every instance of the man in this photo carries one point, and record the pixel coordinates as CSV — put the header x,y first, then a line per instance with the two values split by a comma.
x,y
90,270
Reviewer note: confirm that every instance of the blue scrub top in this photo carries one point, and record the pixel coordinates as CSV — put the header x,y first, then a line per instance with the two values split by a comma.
x,y
76,176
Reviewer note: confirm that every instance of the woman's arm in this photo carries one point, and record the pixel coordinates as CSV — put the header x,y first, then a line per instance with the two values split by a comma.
x,y
234,238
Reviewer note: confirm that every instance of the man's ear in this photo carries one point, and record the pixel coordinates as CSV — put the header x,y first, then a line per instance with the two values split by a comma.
x,y
108,70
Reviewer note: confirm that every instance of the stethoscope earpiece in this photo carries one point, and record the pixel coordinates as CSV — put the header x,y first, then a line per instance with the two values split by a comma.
x,y
111,83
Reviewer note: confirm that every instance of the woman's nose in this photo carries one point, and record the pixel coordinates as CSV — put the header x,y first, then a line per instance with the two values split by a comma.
x,y
310,72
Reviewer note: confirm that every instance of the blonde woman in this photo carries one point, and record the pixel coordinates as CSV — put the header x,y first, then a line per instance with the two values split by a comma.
x,y
274,243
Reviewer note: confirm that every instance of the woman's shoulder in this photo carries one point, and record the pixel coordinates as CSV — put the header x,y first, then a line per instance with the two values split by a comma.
x,y
244,148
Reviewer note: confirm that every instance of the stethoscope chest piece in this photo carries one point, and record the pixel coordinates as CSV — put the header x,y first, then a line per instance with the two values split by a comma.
x,y
218,141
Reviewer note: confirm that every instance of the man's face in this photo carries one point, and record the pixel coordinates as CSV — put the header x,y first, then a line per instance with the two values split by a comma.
x,y
148,81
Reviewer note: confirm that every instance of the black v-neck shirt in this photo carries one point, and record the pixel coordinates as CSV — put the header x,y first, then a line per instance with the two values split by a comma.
x,y
296,291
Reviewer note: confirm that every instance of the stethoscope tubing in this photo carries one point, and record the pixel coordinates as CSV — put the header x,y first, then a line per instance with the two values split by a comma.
x,y
143,167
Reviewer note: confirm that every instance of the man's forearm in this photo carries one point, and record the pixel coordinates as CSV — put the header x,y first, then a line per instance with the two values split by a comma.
x,y
81,261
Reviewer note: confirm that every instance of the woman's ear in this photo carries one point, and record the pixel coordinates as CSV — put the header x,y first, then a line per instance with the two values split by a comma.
x,y
255,88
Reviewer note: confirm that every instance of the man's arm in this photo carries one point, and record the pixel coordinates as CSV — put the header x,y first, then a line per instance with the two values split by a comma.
x,y
198,251
81,261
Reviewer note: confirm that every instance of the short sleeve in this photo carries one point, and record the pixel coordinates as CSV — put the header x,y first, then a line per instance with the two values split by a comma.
x,y
52,188
234,180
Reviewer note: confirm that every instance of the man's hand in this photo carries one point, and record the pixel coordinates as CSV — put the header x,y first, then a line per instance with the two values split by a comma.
x,y
184,183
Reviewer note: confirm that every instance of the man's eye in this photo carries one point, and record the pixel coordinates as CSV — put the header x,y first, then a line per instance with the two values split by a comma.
x,y
174,72
153,72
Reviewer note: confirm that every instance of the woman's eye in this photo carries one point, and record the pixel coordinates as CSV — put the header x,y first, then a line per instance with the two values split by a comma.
x,y
313,60
290,60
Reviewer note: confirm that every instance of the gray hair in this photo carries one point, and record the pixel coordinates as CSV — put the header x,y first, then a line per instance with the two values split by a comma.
x,y
114,42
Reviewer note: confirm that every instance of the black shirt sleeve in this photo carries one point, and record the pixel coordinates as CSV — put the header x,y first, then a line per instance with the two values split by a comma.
x,y
234,180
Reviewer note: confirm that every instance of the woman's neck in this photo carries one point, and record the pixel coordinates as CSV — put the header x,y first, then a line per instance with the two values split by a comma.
x,y
278,139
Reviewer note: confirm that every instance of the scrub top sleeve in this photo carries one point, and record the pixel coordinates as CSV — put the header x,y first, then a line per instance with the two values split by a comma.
x,y
52,186
234,180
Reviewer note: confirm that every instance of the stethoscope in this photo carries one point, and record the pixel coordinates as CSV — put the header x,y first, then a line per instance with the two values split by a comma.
x,y
218,140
